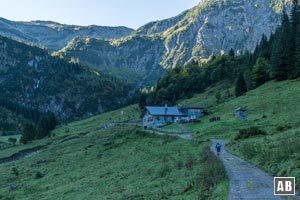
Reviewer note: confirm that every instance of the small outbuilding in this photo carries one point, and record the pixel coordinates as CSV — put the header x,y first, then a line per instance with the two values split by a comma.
x,y
241,113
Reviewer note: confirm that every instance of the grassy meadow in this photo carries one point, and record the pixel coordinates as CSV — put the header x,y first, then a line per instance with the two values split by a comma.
x,y
122,162
4,139
274,108
131,114
273,105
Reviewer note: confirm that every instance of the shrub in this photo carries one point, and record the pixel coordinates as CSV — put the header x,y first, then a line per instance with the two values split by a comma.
x,y
249,132
15,171
190,161
38,175
165,169
12,141
179,164
28,134
212,172
248,149
282,128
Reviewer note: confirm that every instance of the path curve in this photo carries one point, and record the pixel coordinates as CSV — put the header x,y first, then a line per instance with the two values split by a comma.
x,y
246,180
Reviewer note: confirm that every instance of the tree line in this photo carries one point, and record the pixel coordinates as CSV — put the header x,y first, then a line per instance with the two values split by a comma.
x,y
40,130
40,124
274,58
31,114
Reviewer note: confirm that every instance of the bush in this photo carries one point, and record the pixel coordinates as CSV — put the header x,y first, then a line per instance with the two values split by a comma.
x,y
38,175
29,133
12,141
165,169
282,128
248,149
15,171
190,161
249,132
211,174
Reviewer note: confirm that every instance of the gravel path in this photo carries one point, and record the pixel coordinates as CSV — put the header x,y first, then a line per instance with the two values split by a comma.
x,y
246,180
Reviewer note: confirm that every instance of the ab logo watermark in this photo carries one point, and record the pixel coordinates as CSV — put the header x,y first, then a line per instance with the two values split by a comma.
x,y
284,185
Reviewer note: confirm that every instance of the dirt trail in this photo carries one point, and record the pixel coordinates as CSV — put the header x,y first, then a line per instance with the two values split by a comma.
x,y
182,136
21,154
246,180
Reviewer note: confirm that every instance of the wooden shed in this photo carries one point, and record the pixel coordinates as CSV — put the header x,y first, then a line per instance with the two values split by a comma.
x,y
241,113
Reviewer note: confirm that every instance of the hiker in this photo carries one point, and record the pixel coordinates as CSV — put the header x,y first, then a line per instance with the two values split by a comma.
x,y
218,147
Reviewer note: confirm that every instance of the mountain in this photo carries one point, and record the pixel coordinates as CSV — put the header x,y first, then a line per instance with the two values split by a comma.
x,y
216,26
55,36
135,59
211,27
30,77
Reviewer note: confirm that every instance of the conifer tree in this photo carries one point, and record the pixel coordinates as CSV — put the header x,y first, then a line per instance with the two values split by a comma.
x,y
280,50
295,71
231,52
263,48
294,22
259,73
29,133
241,86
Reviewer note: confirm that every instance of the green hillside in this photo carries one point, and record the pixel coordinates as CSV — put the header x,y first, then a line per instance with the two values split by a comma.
x,y
88,162
274,108
270,106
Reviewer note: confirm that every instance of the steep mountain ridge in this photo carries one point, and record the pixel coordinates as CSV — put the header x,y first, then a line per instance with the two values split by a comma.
x,y
55,36
160,26
211,27
216,26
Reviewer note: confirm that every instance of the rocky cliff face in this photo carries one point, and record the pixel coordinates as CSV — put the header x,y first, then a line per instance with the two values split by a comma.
x,y
159,26
55,36
216,26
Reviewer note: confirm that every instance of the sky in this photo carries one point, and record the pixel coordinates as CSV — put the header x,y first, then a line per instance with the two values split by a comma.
x,y
130,13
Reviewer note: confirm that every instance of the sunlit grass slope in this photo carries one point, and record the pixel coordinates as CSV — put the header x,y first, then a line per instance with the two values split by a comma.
x,y
273,105
274,108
